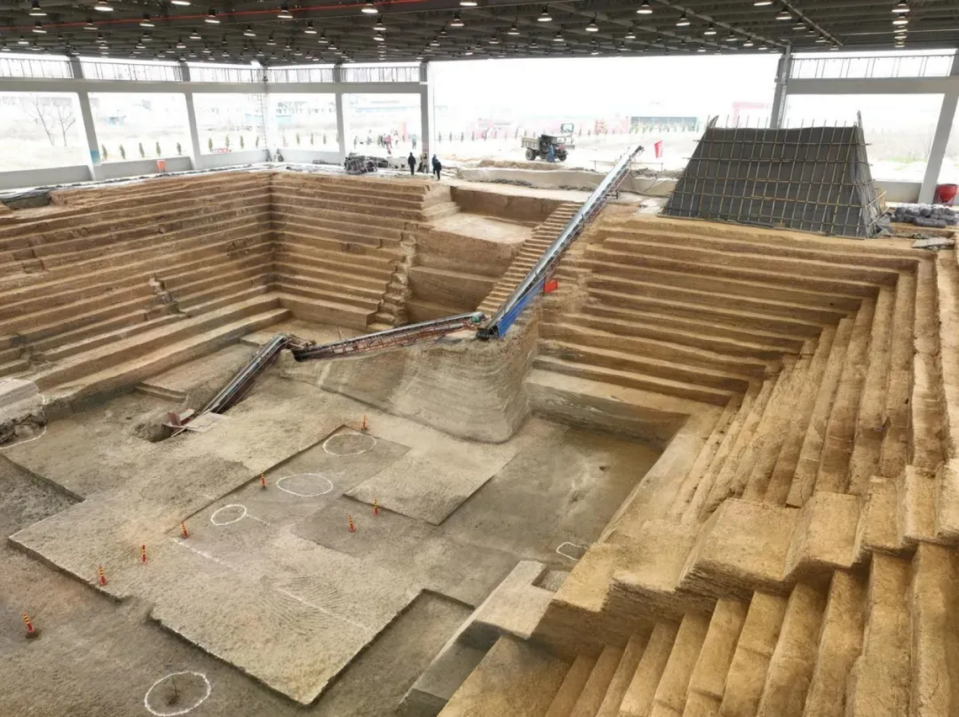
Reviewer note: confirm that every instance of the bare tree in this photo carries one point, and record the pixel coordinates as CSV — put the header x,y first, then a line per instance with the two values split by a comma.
x,y
54,114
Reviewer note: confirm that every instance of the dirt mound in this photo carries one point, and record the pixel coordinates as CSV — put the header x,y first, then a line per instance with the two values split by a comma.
x,y
510,164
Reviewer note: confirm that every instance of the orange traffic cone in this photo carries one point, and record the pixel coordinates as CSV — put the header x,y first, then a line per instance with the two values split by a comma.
x,y
32,632
263,481
143,553
183,530
103,579
350,520
364,427
376,508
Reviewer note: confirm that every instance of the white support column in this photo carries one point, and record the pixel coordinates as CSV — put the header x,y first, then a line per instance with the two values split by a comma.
x,y
427,114
191,119
86,114
937,152
783,73
342,139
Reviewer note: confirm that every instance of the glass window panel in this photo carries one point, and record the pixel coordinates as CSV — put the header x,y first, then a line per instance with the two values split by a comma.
x,y
371,118
40,130
305,121
135,125
230,122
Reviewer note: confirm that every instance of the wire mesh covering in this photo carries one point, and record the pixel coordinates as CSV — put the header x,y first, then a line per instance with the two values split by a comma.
x,y
814,179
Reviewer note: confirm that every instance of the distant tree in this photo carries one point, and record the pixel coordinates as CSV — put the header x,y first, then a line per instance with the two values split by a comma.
x,y
472,136
159,151
226,143
179,149
297,139
103,153
54,114
209,144
123,152
462,136
311,139
242,142
324,139
257,142
143,154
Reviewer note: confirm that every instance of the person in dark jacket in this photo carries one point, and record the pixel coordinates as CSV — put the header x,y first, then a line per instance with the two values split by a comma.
x,y
437,167
411,160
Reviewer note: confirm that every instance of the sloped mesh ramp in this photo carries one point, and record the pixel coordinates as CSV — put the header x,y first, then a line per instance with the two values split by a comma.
x,y
814,179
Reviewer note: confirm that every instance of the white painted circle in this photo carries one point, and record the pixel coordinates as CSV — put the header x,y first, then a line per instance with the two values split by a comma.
x,y
324,487
227,507
206,693
331,449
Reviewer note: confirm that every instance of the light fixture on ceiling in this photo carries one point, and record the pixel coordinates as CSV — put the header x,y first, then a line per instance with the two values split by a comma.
x,y
594,52
711,30
683,20
763,48
457,21
270,41
378,38
821,40
901,8
467,3
310,30
762,3
322,39
544,16
468,51
195,35
630,35
39,29
36,10
21,40
206,50
834,48
784,15
494,40
434,42
558,37
141,46
731,38
102,6
181,3
592,27
284,13
369,8
146,21
701,49
179,44
212,18
89,25
249,32
379,26
901,20
146,37
644,8
749,43
513,30
3,46
101,40
799,26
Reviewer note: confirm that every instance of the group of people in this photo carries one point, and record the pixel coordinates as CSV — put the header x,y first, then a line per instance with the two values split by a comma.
x,y
384,140
437,166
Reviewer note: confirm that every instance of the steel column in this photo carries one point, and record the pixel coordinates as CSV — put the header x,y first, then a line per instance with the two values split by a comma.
x,y
783,73
937,153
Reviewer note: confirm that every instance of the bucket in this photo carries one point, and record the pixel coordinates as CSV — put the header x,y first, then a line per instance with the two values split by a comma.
x,y
946,193
161,165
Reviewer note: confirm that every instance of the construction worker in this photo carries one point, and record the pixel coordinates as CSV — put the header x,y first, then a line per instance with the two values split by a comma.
x,y
437,167
411,160
422,168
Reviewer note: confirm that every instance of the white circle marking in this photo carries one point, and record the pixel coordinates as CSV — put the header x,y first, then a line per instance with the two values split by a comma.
x,y
331,452
146,697
227,507
279,484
